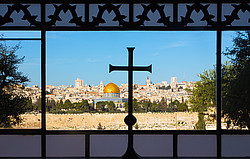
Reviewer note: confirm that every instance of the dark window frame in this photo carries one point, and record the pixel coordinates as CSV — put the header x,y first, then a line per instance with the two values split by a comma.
x,y
43,26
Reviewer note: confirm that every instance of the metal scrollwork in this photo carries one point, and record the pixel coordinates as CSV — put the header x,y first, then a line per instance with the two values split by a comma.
x,y
153,7
78,19
197,7
65,7
124,20
19,7
234,15
109,7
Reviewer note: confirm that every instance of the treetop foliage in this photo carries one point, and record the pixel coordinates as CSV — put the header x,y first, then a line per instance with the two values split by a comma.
x,y
203,93
9,63
11,104
235,85
239,54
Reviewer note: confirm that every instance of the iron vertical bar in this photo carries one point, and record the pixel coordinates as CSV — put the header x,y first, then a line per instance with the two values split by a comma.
x,y
130,81
43,95
43,80
130,97
87,144
131,13
218,80
87,12
175,12
175,146
175,19
218,92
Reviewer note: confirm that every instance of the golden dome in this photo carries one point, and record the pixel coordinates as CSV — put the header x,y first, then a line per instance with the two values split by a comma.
x,y
111,88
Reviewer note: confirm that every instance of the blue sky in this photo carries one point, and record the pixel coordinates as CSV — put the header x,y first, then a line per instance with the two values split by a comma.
x,y
86,55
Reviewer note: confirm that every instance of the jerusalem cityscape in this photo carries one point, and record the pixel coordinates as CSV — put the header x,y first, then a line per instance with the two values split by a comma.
x,y
160,102
159,106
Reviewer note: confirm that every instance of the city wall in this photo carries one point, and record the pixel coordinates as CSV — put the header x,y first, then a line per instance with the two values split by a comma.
x,y
112,121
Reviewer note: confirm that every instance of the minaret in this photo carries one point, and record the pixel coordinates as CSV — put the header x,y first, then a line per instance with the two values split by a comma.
x,y
148,81
101,88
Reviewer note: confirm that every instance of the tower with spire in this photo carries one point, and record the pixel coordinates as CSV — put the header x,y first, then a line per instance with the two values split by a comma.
x,y
148,81
101,88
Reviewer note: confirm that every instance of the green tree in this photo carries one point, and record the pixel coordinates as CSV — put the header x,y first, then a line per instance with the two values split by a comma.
x,y
200,125
29,105
84,106
11,104
146,105
203,93
51,105
164,87
154,107
162,105
67,104
137,108
235,85
111,106
173,106
182,107
10,110
236,90
37,105
203,96
100,106
59,105
168,87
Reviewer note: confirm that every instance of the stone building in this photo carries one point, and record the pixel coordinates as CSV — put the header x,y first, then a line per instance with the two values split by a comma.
x,y
111,92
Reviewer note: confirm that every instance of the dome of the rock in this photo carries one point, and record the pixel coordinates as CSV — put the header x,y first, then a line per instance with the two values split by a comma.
x,y
111,90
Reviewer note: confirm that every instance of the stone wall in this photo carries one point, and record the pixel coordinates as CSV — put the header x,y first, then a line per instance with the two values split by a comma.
x,y
112,121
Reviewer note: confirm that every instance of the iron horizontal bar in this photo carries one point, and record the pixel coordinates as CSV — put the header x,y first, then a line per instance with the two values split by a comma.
x,y
118,68
17,28
93,132
143,68
118,1
183,132
235,131
131,29
178,132
20,39
234,28
201,132
63,132
229,28
134,68
20,131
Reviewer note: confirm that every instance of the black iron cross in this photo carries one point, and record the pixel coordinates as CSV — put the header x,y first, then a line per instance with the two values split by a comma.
x,y
130,120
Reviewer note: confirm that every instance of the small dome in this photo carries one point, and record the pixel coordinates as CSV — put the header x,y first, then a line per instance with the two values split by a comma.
x,y
111,88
